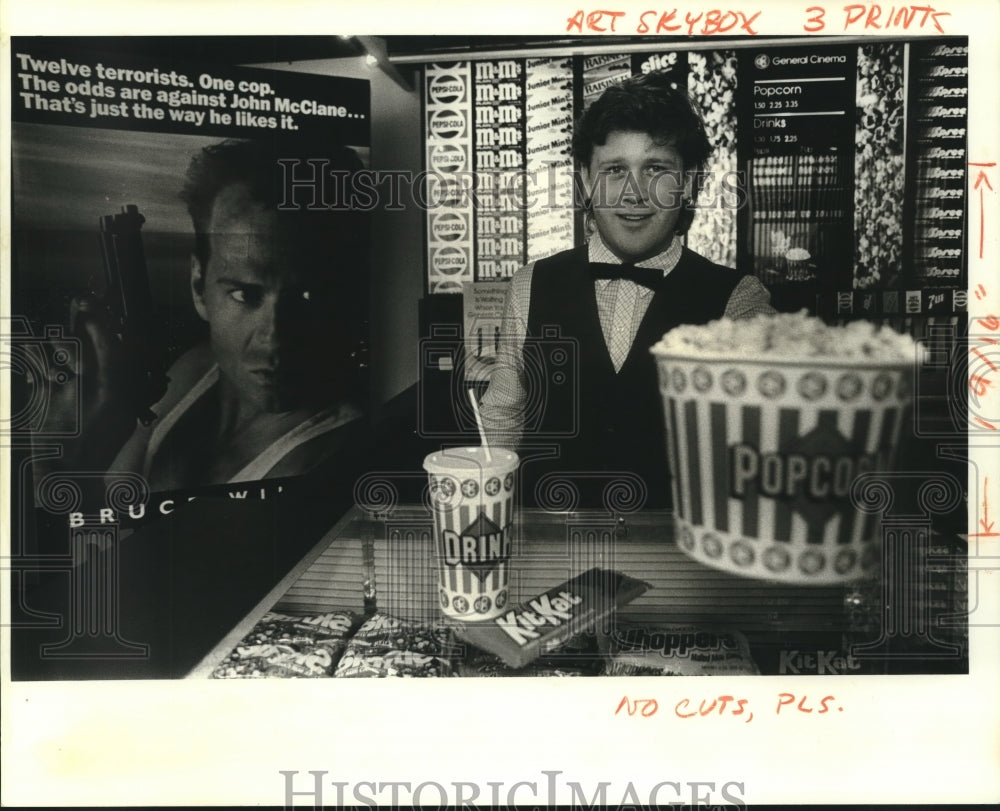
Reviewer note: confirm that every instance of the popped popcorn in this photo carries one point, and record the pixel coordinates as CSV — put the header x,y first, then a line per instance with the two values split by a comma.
x,y
789,336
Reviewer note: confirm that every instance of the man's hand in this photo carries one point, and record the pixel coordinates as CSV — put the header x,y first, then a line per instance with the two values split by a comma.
x,y
89,392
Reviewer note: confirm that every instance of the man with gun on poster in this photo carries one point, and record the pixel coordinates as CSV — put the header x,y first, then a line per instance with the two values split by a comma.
x,y
129,302
270,393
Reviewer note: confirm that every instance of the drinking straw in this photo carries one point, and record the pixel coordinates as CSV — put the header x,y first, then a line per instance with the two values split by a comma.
x,y
479,424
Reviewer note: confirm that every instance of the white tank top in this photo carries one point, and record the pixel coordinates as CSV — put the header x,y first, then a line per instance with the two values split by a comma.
x,y
317,425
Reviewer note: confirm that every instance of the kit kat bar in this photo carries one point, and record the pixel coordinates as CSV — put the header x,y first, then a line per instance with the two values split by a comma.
x,y
544,622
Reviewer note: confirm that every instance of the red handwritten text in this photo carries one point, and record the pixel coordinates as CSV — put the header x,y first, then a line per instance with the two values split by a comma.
x,y
717,706
726,706
979,380
594,21
872,15
714,21
646,707
787,699
815,21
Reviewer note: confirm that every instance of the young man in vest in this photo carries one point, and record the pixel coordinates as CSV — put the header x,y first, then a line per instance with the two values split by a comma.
x,y
639,148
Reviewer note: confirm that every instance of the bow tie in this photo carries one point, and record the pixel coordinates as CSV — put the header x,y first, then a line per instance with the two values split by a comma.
x,y
647,277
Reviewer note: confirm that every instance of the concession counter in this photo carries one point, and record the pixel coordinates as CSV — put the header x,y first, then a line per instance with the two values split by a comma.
x,y
377,569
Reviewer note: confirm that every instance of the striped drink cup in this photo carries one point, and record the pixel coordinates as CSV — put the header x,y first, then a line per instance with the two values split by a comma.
x,y
764,453
473,503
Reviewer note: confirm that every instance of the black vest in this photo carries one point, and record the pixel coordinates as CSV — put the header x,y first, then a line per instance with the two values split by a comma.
x,y
619,423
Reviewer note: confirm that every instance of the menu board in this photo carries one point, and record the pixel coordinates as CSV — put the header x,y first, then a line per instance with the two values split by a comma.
x,y
799,108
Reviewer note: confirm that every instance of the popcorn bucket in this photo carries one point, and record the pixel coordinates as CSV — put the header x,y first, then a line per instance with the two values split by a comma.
x,y
764,453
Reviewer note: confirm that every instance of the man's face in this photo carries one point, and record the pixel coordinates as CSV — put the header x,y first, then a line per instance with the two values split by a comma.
x,y
636,186
262,294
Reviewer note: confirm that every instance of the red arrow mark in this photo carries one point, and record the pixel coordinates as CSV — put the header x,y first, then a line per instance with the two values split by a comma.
x,y
980,179
986,527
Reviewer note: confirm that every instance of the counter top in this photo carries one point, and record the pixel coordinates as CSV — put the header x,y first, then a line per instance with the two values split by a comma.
x,y
385,562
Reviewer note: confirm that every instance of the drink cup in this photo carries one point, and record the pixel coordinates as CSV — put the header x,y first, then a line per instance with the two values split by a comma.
x,y
472,499
764,453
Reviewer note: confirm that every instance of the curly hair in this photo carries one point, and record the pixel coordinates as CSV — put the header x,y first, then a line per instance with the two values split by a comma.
x,y
648,103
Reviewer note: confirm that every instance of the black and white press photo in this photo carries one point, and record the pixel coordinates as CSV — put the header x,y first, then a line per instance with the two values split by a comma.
x,y
391,374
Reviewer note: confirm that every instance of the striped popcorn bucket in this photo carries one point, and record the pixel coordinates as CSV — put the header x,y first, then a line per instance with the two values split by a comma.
x,y
472,499
764,454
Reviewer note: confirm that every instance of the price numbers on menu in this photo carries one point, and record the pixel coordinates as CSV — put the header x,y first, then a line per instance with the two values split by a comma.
x,y
762,140
776,105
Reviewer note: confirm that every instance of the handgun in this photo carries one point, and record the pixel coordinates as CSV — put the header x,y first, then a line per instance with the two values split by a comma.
x,y
129,302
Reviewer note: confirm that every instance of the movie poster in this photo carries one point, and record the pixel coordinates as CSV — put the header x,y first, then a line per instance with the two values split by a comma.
x,y
190,283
